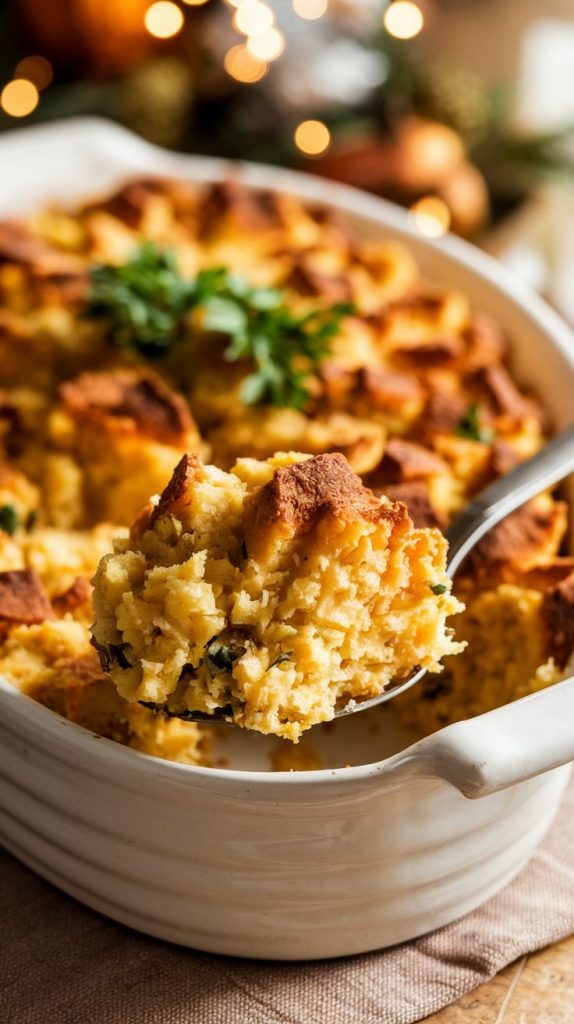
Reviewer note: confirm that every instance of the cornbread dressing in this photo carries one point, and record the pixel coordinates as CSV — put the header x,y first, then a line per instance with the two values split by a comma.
x,y
276,591
414,391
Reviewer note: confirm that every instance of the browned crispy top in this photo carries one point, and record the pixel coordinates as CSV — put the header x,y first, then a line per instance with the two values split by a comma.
x,y
172,500
307,279
75,596
505,397
486,342
18,245
442,414
528,532
138,401
389,390
415,495
258,209
128,204
323,485
431,352
406,460
557,612
23,598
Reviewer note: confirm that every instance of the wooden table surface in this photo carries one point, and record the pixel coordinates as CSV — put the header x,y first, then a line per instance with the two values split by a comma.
x,y
537,989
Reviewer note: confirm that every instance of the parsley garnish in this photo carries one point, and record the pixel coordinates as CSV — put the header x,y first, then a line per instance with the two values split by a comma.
x,y
143,301
438,588
470,426
9,519
147,305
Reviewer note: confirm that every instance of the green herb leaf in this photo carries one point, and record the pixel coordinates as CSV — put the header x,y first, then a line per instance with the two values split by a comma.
x,y
438,588
220,657
284,656
146,305
225,316
116,653
470,426
9,519
143,301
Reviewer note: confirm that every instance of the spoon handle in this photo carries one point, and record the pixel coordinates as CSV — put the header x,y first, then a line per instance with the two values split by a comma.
x,y
550,465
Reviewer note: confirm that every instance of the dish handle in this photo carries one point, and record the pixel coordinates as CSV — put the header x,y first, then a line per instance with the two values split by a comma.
x,y
500,748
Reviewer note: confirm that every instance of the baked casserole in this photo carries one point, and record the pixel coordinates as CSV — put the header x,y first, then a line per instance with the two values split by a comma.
x,y
225,325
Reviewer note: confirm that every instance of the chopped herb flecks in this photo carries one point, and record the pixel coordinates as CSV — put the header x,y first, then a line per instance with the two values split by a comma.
x,y
470,426
220,657
9,519
438,588
284,656
146,304
116,652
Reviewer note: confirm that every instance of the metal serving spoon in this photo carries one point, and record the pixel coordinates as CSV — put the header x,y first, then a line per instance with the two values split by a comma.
x,y
548,467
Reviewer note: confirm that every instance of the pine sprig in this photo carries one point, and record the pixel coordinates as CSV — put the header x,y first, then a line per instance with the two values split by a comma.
x,y
147,305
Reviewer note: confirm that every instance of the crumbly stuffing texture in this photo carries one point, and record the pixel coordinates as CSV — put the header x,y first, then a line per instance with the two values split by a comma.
x,y
275,592
54,664
527,613
415,393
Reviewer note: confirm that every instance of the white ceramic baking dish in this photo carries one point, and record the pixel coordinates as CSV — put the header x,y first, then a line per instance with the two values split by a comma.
x,y
238,860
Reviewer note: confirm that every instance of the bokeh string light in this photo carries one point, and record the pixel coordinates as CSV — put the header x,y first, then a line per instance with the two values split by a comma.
x,y
242,66
19,97
431,216
35,69
403,19
268,46
312,137
254,19
310,9
163,19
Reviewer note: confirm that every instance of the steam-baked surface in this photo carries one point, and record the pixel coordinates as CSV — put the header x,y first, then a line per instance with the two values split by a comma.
x,y
276,590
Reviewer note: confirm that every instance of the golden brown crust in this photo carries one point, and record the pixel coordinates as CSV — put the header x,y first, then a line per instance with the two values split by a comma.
x,y
23,599
486,342
503,457
557,613
257,209
308,280
443,413
435,352
417,303
130,202
55,276
19,246
172,500
404,461
78,594
301,494
541,576
386,389
415,495
136,401
527,533
502,393
337,381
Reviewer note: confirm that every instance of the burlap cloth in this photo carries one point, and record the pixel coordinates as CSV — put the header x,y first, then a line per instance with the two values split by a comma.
x,y
61,963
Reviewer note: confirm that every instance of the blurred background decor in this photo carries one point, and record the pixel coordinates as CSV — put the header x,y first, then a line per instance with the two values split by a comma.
x,y
461,110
